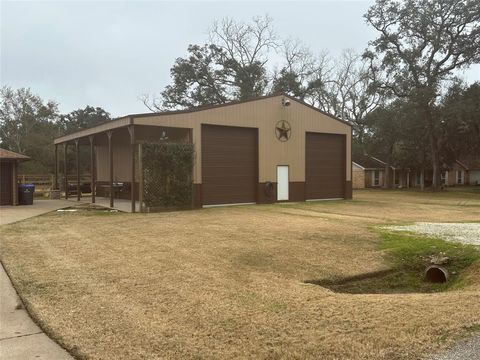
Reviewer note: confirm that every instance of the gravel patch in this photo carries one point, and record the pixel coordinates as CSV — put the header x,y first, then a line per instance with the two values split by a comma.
x,y
469,349
465,233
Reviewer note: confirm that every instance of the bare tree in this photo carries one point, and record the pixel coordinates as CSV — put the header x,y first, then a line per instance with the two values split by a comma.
x,y
245,48
302,74
353,87
343,87
232,66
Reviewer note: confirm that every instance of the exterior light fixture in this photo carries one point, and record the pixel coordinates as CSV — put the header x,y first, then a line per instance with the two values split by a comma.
x,y
164,136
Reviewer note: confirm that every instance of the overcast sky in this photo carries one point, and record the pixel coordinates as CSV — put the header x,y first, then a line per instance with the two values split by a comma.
x,y
108,53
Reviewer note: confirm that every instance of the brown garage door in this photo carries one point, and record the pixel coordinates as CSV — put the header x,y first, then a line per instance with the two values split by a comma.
x,y
229,165
6,183
324,166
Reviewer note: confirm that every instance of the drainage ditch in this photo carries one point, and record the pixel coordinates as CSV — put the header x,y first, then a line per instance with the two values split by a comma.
x,y
390,281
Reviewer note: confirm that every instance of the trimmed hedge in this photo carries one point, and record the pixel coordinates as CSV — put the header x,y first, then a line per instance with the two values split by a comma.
x,y
167,175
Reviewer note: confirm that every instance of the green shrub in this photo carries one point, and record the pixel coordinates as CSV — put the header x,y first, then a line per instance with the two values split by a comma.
x,y
167,175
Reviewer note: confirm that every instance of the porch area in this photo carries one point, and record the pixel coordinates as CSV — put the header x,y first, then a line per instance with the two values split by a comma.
x,y
106,162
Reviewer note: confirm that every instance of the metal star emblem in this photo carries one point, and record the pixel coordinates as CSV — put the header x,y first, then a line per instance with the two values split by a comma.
x,y
283,130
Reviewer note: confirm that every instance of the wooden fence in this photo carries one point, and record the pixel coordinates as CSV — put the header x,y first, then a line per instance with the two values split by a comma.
x,y
44,182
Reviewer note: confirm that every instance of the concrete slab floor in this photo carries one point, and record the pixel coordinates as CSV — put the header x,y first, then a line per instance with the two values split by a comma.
x,y
10,214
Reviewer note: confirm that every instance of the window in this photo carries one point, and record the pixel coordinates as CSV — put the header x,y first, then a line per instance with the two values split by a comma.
x,y
418,178
459,177
376,177
444,177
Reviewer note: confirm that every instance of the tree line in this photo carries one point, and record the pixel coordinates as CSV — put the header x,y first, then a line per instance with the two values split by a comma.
x,y
401,94
28,125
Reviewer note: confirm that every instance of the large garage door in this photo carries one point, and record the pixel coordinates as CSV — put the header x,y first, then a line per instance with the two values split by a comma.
x,y
6,183
324,166
229,165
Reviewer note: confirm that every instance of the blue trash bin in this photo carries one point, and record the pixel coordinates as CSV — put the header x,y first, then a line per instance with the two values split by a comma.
x,y
25,194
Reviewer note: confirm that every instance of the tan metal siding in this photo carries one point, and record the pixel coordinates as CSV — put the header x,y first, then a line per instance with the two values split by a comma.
x,y
121,163
262,114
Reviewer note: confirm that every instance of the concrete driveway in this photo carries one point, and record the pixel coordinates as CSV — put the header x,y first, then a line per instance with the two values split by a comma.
x,y
11,214
20,337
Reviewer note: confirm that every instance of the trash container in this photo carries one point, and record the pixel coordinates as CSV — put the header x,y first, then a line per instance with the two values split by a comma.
x,y
25,194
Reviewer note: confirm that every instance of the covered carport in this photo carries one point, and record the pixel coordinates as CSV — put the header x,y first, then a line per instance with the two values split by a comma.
x,y
115,149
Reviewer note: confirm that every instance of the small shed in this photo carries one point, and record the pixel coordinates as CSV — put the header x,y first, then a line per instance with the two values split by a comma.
x,y
8,176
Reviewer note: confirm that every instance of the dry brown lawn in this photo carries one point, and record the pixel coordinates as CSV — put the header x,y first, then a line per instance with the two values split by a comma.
x,y
226,283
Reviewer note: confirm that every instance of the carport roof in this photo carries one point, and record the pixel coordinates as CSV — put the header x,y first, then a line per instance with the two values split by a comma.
x,y
10,155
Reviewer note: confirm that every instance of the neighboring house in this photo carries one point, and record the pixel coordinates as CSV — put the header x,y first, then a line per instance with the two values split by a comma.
x,y
369,172
471,166
464,172
455,174
263,150
473,169
8,176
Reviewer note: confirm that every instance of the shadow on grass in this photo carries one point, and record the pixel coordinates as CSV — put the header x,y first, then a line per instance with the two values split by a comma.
x,y
391,281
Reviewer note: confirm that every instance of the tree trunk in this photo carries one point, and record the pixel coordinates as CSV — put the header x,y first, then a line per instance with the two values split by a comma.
x,y
422,179
434,152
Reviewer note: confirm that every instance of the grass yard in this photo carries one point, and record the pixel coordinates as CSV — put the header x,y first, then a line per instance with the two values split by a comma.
x,y
224,283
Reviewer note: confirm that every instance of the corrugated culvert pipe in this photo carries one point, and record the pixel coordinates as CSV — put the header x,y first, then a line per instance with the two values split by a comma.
x,y
436,274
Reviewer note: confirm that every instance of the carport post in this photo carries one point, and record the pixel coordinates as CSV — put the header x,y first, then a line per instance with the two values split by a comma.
x,y
15,183
110,165
77,158
55,177
140,180
65,172
92,167
131,130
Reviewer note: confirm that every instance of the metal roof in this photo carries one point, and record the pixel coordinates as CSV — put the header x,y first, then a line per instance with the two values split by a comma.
x,y
10,155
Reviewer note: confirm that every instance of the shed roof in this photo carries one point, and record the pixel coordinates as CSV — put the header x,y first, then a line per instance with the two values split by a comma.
x,y
10,155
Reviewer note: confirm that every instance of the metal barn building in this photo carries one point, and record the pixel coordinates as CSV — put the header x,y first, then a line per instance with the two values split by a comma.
x,y
263,150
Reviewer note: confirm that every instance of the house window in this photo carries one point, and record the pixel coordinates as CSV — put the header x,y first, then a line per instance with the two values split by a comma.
x,y
444,177
459,177
418,178
376,177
